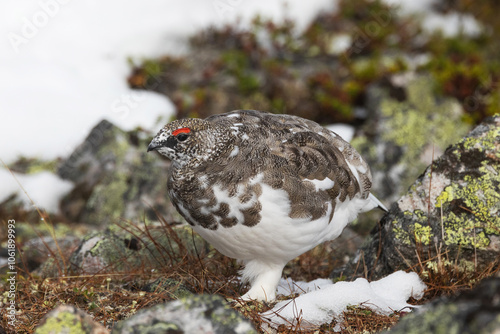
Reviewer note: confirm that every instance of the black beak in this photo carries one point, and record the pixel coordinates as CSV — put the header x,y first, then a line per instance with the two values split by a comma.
x,y
153,145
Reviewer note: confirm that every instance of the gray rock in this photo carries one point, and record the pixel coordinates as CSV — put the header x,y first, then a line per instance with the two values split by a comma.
x,y
69,319
47,242
118,250
196,314
475,312
115,179
409,124
449,217
37,251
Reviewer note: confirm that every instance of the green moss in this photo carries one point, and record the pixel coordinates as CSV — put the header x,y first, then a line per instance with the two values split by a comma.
x,y
64,322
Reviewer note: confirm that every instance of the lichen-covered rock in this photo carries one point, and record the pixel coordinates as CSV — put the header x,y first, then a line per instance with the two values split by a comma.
x,y
195,314
37,251
409,126
69,319
115,179
118,250
44,242
453,208
476,311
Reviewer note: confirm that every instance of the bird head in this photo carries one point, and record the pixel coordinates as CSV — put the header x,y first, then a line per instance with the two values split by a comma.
x,y
188,141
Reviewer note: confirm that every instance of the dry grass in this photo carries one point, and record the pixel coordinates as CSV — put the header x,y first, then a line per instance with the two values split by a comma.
x,y
363,320
110,297
444,275
113,296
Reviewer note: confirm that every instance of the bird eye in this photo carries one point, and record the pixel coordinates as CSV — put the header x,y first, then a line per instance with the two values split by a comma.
x,y
182,137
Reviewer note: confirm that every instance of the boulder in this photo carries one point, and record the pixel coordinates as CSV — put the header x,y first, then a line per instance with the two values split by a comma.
x,y
449,217
35,252
119,250
409,125
69,319
195,314
115,179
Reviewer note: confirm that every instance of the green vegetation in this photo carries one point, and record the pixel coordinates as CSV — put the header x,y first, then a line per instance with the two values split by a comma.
x,y
273,67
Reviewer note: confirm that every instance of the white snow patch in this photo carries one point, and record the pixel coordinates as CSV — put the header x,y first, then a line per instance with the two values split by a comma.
x,y
327,301
64,66
411,6
343,130
340,43
451,24
287,286
45,189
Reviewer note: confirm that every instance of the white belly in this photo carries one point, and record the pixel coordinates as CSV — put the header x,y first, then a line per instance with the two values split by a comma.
x,y
277,237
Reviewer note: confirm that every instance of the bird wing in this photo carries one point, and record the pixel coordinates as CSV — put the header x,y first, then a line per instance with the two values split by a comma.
x,y
323,166
312,164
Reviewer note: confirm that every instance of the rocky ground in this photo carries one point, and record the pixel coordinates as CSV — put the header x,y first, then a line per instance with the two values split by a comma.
x,y
117,257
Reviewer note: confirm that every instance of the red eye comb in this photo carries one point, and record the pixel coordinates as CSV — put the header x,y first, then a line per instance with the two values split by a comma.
x,y
181,130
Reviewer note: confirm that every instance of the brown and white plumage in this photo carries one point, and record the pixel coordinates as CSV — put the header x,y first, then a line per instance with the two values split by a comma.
x,y
263,188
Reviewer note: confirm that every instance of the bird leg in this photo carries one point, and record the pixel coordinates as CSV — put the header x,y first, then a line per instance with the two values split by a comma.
x,y
263,277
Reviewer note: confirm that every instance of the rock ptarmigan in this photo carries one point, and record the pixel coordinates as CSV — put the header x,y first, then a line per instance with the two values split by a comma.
x,y
263,188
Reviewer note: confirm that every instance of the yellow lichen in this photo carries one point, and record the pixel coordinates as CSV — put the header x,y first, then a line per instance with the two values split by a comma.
x,y
478,204
423,234
64,322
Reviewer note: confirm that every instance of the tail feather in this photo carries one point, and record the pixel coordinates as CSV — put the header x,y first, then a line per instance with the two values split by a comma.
x,y
377,203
